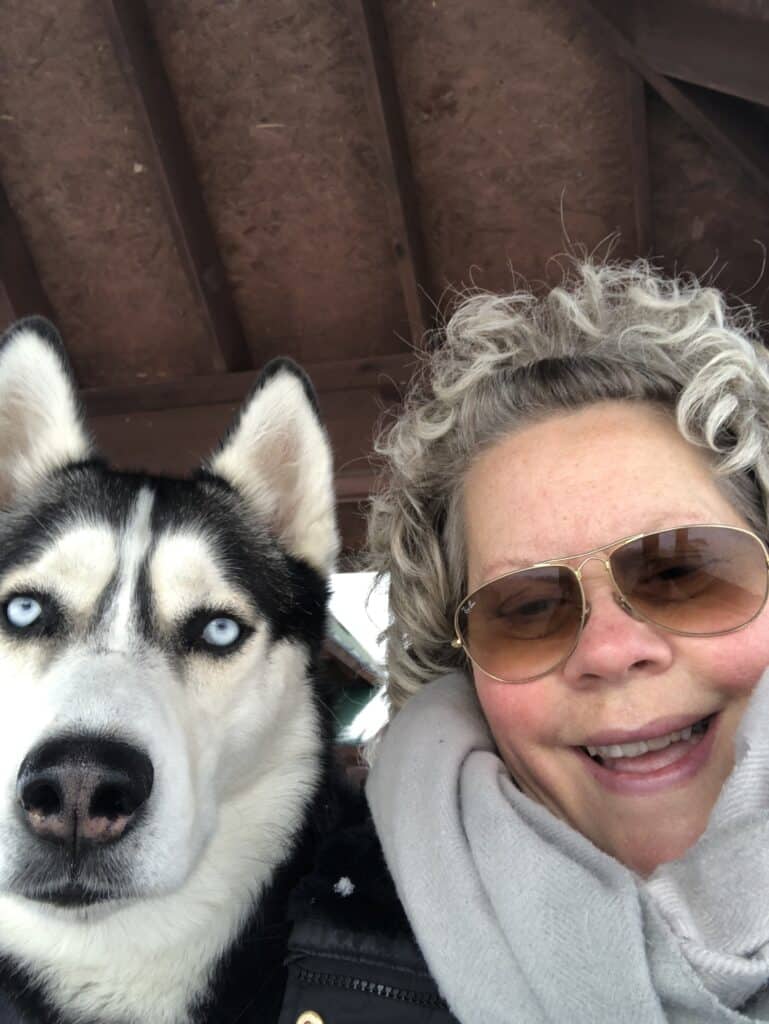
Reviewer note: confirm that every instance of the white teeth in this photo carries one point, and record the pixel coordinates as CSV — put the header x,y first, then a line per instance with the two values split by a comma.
x,y
643,746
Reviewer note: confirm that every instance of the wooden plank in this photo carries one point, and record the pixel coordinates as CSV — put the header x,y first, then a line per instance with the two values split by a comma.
x,y
23,293
699,43
141,62
728,124
352,488
387,375
370,30
746,8
639,154
177,440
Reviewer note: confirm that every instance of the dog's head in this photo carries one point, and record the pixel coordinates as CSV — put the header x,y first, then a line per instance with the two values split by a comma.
x,y
155,638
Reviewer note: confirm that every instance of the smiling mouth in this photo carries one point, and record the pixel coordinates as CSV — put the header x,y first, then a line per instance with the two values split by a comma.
x,y
652,754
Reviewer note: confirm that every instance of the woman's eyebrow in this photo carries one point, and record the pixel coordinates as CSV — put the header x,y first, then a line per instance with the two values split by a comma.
x,y
502,566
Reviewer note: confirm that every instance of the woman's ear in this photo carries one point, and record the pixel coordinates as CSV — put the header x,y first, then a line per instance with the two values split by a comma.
x,y
277,455
41,422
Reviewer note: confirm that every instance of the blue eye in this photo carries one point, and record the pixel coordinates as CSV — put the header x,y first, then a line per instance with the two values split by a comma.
x,y
22,611
221,632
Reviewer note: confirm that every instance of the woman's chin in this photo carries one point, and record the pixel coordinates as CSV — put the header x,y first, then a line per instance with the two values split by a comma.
x,y
645,860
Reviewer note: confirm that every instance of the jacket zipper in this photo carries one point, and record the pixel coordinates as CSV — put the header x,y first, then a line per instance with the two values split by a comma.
x,y
373,988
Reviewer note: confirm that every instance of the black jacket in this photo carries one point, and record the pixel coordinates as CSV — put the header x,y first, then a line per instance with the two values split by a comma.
x,y
352,958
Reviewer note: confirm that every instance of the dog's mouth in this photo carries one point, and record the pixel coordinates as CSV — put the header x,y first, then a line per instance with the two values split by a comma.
x,y
71,894
70,887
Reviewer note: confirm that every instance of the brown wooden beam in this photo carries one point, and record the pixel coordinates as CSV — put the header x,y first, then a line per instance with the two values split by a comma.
x,y
139,57
352,488
720,48
639,153
734,126
177,440
23,294
728,124
387,375
370,31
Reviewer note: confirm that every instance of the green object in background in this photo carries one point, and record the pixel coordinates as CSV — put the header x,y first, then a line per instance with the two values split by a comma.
x,y
349,702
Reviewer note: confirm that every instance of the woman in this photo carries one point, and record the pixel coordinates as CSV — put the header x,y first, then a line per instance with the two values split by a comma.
x,y
574,529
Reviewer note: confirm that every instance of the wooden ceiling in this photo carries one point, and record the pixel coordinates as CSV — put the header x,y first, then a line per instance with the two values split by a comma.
x,y
190,187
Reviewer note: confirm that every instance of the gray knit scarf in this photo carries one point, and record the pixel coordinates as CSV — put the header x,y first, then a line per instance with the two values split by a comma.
x,y
522,920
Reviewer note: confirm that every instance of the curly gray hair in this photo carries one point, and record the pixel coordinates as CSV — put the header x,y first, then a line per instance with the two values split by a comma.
x,y
609,331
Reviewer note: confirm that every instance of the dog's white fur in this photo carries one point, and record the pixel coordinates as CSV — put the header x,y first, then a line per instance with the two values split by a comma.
x,y
290,484
234,742
39,425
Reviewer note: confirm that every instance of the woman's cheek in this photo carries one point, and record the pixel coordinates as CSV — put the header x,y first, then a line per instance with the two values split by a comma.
x,y
516,713
734,663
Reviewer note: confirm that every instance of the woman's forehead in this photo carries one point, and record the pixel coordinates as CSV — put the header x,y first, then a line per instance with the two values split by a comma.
x,y
583,479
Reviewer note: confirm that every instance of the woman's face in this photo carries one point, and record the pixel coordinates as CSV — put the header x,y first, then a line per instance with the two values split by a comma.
x,y
574,482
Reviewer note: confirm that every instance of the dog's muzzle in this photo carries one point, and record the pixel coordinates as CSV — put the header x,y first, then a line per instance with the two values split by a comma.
x,y
83,791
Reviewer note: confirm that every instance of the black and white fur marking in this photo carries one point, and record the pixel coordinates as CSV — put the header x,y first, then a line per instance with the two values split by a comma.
x,y
161,741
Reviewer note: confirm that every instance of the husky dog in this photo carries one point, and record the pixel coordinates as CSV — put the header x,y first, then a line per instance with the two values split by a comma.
x,y
161,738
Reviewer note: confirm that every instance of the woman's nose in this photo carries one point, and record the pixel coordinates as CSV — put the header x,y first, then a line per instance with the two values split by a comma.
x,y
614,645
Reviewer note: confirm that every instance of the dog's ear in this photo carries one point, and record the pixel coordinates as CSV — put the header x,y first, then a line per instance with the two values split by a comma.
x,y
277,455
41,425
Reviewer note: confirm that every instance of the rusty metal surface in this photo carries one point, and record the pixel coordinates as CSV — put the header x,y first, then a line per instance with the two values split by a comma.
x,y
517,124
508,108
75,168
279,127
710,217
513,110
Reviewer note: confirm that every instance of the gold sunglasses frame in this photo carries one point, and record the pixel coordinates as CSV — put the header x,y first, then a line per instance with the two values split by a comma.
x,y
607,550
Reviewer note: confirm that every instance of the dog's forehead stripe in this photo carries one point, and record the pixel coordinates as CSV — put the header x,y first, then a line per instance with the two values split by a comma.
x,y
122,617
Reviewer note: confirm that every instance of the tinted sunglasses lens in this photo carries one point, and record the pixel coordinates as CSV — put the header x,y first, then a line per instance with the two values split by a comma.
x,y
700,580
524,624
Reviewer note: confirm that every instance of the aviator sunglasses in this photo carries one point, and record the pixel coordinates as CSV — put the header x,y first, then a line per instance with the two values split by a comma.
x,y
703,580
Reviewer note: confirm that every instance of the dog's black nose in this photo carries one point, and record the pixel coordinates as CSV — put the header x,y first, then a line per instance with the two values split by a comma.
x,y
83,789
